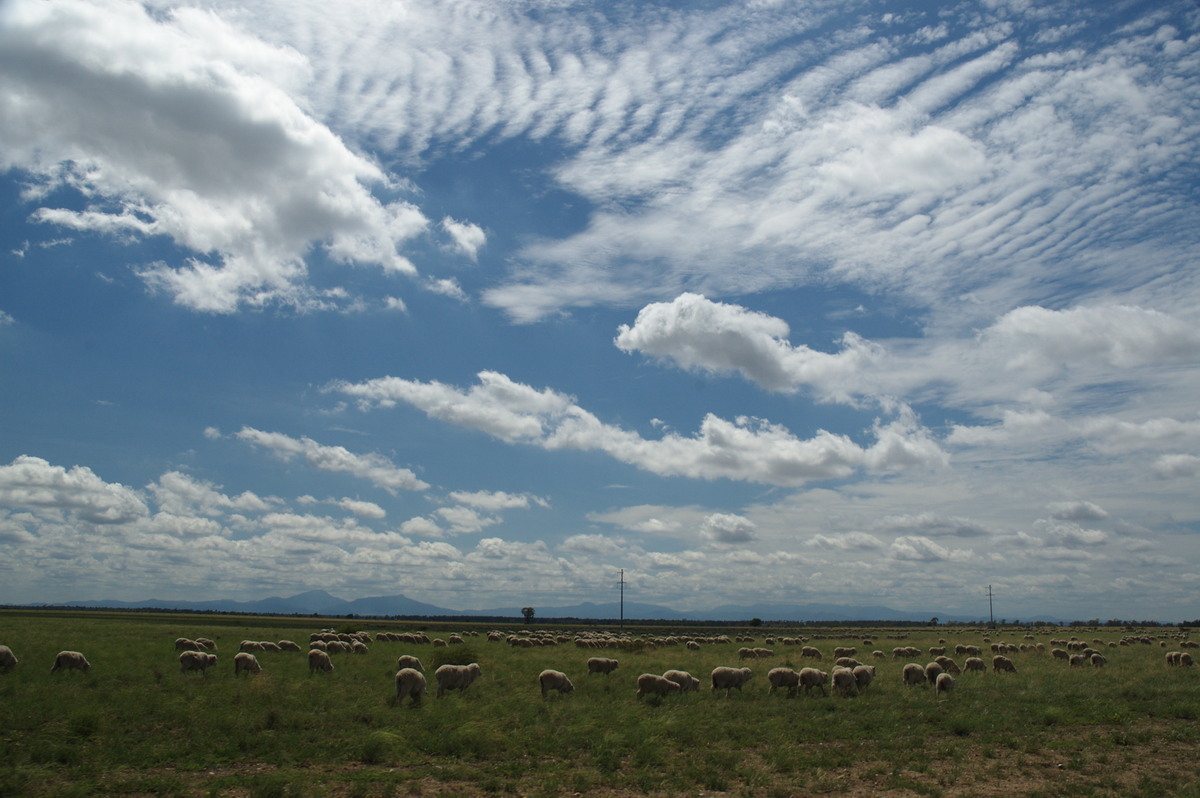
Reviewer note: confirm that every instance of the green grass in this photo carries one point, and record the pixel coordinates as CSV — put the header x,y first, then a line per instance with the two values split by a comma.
x,y
136,725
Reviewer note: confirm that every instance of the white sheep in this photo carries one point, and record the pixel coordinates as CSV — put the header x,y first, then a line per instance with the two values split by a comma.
x,y
1002,664
247,662
410,683
186,644
1185,660
975,664
409,661
726,678
932,671
653,684
196,661
288,645
785,678
1099,661
943,685
686,681
842,682
318,660
864,675
811,677
602,665
209,645
554,680
913,674
456,677
71,661
8,660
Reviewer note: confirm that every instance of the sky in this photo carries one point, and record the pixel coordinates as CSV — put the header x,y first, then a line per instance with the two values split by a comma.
x,y
790,301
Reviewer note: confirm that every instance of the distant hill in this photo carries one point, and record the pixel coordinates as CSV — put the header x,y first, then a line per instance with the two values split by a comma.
x,y
318,602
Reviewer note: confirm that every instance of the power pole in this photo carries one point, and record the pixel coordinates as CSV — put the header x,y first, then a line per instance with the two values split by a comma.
x,y
622,624
991,615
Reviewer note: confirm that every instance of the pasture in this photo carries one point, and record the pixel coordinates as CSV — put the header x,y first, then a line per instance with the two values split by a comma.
x,y
136,725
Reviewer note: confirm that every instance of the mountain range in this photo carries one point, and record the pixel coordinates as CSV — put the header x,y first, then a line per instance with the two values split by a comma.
x,y
318,602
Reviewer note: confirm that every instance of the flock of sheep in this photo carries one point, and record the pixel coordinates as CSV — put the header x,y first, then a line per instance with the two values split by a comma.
x,y
847,677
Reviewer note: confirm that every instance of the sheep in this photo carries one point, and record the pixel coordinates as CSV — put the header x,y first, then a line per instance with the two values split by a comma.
x,y
1098,661
932,671
943,685
811,677
913,674
652,683
948,665
196,661
1185,660
686,681
726,678
186,644
843,683
318,660
8,660
864,675
456,677
1060,653
247,662
209,645
810,652
71,661
785,678
1001,663
410,683
1077,660
288,645
602,665
975,664
1173,658
554,680
409,661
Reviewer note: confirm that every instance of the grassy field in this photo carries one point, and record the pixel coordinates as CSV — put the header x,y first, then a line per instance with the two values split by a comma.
x,y
136,725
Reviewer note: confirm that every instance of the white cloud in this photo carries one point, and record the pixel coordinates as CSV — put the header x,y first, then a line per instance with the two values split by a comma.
x,y
1077,511
727,528
1174,466
697,333
375,468
745,449
468,238
180,125
922,549
496,500
34,484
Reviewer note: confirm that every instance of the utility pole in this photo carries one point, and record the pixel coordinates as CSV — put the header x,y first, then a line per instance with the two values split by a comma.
x,y
622,625
991,615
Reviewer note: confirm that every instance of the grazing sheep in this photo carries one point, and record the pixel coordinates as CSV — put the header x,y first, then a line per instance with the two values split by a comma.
x,y
686,681
652,683
843,683
1001,664
864,675
943,685
1185,660
288,645
409,661
245,661
932,671
1173,658
456,677
318,660
209,645
811,677
1098,661
1077,660
410,683
554,680
602,665
913,674
196,661
726,678
71,661
1060,653
785,678
8,660
975,664
810,652
186,644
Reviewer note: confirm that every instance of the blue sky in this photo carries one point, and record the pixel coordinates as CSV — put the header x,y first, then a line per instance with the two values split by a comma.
x,y
856,303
